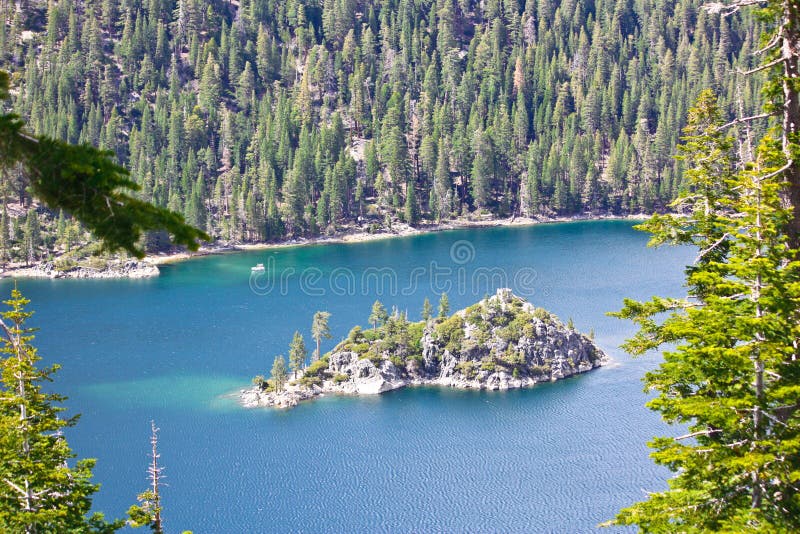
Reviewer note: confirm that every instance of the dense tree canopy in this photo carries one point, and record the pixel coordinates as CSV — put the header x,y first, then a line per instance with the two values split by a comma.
x,y
261,119
733,372
85,182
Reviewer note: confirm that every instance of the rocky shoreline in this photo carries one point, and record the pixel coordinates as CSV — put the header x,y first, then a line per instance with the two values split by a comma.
x,y
500,343
113,269
149,266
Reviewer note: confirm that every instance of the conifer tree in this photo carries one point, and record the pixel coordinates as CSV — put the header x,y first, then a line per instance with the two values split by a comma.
x,y
378,315
148,513
444,306
411,209
278,374
297,353
40,491
5,238
427,310
85,182
589,97
320,330
732,378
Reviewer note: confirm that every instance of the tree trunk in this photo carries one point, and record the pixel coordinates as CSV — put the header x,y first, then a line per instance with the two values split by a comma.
x,y
790,53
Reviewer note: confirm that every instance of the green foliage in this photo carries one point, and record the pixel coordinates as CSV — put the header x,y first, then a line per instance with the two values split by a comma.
x,y
427,310
513,357
340,377
279,373
297,353
444,306
317,368
520,325
356,334
475,314
450,332
320,330
240,115
500,318
148,512
732,375
411,208
309,381
415,331
85,182
34,454
143,515
378,316
539,370
467,368
543,315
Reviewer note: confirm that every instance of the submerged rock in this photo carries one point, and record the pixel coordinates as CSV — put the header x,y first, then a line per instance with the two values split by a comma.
x,y
502,342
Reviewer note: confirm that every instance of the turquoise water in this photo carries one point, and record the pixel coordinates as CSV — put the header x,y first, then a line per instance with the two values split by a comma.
x,y
559,457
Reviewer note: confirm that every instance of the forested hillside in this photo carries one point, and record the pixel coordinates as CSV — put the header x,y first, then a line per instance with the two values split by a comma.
x,y
260,119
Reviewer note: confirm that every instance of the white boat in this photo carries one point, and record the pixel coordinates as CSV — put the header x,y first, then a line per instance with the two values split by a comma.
x,y
259,268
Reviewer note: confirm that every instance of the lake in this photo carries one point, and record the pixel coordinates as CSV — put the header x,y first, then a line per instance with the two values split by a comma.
x,y
559,457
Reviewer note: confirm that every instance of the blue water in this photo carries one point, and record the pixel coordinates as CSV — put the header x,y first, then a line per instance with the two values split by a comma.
x,y
560,457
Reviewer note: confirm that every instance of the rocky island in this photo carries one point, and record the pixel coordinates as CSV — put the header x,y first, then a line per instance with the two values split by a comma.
x,y
502,342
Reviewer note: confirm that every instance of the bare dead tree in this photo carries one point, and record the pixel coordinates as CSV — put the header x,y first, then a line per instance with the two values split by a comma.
x,y
155,474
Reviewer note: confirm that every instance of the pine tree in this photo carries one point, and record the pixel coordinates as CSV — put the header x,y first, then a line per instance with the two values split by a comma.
x,y
378,315
210,87
427,310
411,209
278,374
297,353
40,492
148,513
444,306
32,237
483,99
320,330
732,378
86,183
483,169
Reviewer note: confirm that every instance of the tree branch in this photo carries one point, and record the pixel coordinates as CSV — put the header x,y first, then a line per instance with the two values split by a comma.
x,y
773,418
717,243
763,67
729,9
772,42
747,119
699,433
776,173
15,487
8,334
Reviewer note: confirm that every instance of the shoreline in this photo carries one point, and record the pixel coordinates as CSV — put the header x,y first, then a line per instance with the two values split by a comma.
x,y
403,230
148,267
294,394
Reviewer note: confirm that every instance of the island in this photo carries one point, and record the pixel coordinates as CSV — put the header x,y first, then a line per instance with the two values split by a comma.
x,y
501,342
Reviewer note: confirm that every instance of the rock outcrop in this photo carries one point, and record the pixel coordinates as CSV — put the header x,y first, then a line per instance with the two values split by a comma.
x,y
502,342
111,269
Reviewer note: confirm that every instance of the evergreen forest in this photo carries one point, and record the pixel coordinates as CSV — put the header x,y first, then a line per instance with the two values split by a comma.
x,y
260,120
